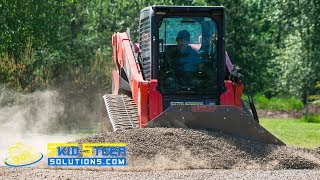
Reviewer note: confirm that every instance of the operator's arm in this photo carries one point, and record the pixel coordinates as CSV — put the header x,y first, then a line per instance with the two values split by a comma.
x,y
172,57
197,61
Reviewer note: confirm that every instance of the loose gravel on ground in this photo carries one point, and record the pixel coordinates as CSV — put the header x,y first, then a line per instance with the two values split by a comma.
x,y
168,153
40,174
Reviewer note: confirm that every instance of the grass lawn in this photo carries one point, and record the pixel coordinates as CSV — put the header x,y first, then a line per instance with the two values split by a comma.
x,y
294,132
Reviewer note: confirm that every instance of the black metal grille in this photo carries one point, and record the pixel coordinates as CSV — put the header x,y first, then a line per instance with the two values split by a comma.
x,y
145,47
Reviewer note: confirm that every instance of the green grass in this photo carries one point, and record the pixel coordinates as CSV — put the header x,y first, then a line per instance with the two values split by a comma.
x,y
85,133
294,132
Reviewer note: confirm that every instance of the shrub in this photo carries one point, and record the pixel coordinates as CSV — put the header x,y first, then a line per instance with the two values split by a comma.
x,y
277,103
311,118
295,104
261,101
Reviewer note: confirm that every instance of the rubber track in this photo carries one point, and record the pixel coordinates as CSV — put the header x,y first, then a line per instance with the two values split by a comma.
x,y
122,111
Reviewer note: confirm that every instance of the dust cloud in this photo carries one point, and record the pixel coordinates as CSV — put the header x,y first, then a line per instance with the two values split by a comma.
x,y
38,118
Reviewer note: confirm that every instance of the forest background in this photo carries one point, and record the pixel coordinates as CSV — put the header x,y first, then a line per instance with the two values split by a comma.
x,y
65,45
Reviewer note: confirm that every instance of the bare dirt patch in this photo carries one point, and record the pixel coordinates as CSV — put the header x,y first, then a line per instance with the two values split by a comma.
x,y
312,109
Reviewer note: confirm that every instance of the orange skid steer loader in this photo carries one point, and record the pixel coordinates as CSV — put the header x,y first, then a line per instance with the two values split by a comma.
x,y
177,76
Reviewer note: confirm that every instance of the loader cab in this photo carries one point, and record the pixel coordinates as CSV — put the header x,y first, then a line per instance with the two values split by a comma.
x,y
183,48
187,55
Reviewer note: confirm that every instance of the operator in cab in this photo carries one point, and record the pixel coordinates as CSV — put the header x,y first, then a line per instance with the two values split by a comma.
x,y
185,59
188,57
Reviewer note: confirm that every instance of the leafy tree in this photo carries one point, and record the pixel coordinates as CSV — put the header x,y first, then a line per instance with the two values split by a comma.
x,y
53,43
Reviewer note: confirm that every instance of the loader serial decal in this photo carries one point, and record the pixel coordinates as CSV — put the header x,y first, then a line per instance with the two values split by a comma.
x,y
22,155
87,154
186,103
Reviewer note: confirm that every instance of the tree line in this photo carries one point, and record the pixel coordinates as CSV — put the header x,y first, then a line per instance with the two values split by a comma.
x,y
52,43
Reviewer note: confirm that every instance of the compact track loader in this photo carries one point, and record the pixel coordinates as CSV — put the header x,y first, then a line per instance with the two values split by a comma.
x,y
179,75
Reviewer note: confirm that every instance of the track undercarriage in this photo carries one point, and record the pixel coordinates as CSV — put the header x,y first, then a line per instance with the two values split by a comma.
x,y
121,111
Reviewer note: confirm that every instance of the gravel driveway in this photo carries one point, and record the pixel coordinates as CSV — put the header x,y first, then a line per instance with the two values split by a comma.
x,y
39,174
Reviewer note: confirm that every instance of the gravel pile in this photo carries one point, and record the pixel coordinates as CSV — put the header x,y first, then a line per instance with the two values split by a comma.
x,y
168,148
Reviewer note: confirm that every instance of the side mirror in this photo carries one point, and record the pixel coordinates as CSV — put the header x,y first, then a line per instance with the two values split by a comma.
x,y
235,75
